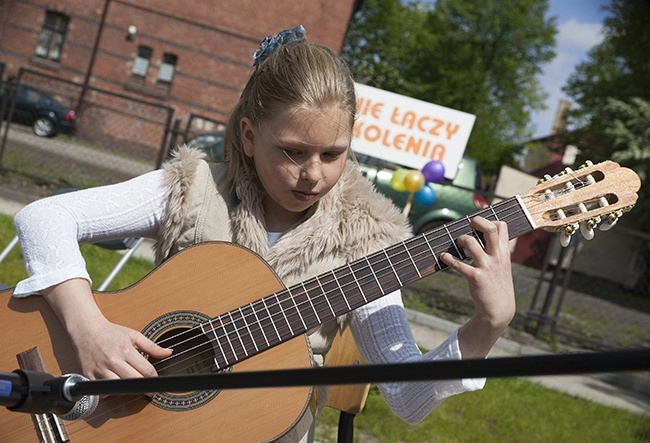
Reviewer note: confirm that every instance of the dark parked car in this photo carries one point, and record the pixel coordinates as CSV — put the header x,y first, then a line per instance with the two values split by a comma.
x,y
454,199
211,144
37,109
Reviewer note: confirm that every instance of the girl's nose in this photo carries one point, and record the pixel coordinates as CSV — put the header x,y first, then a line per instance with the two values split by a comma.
x,y
311,171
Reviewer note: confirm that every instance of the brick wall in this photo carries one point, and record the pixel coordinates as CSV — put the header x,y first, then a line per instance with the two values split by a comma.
x,y
213,41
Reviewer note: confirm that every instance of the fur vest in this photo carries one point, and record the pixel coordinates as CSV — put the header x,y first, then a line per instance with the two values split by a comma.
x,y
351,221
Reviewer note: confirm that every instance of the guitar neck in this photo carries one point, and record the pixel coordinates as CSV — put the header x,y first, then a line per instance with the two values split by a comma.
x,y
278,317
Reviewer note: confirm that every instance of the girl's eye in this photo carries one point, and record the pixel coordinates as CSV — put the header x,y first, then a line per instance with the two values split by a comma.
x,y
290,152
332,155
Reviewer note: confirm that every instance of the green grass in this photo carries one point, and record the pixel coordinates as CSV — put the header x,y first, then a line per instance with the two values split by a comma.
x,y
506,410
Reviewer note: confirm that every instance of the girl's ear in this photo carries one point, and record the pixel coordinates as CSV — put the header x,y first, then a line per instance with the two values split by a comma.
x,y
247,136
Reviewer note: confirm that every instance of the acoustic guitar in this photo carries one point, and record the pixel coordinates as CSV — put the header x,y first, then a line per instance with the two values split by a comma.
x,y
223,309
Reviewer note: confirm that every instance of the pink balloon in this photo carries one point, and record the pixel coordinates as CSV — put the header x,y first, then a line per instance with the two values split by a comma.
x,y
434,171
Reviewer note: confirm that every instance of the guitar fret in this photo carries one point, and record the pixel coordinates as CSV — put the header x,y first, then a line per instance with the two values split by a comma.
x,y
257,320
217,341
219,338
226,336
453,242
341,290
358,285
494,212
476,234
392,268
311,302
297,311
433,253
234,323
248,327
412,261
326,297
303,302
284,312
374,275
344,277
270,317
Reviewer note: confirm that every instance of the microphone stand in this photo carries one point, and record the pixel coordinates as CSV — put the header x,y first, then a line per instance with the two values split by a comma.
x,y
38,392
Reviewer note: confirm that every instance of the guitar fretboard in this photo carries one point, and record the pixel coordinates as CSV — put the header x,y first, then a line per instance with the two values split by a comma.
x,y
255,327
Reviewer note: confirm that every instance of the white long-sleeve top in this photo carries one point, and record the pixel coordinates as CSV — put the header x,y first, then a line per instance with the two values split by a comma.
x,y
51,229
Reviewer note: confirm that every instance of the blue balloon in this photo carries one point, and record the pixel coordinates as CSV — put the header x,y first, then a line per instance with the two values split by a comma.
x,y
425,196
434,171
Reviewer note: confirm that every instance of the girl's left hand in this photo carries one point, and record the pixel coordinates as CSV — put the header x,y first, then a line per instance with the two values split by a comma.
x,y
489,275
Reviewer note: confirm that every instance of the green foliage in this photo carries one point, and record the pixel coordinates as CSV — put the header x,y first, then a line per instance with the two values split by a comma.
x,y
612,92
478,57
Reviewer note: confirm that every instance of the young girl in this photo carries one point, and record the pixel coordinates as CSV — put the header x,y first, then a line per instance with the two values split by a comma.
x,y
289,191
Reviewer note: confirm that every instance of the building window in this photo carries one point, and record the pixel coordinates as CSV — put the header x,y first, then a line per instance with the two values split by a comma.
x,y
167,69
50,41
141,62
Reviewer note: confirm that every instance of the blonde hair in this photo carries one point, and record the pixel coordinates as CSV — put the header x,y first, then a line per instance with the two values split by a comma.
x,y
297,75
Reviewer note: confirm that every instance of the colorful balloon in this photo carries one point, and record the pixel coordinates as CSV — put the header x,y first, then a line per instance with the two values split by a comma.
x,y
397,181
434,171
425,196
413,181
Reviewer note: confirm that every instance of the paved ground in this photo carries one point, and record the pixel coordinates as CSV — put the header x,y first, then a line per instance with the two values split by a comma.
x,y
610,389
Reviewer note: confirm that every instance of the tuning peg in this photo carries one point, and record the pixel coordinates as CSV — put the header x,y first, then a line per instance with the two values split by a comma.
x,y
586,164
565,239
611,220
587,228
567,232
548,194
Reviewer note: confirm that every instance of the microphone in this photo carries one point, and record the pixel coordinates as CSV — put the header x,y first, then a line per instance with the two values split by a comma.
x,y
39,393
85,404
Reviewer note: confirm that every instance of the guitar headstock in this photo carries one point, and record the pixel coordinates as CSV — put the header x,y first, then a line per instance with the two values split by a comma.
x,y
581,199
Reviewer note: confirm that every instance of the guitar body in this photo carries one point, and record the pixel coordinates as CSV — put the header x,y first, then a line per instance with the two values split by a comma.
x,y
209,279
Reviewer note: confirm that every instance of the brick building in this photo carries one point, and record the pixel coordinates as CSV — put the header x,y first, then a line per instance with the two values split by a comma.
x,y
191,56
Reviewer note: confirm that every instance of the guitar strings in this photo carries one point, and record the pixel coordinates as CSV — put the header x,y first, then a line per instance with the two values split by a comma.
x,y
233,342
234,337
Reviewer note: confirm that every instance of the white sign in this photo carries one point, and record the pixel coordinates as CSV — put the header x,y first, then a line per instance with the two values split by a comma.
x,y
409,132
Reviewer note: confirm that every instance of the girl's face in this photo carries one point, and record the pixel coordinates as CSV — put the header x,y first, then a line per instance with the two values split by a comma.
x,y
299,155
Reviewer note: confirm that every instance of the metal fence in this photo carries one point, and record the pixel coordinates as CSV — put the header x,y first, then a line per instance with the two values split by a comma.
x,y
112,138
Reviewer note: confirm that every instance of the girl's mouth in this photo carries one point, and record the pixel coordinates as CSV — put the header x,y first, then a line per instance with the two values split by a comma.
x,y
304,196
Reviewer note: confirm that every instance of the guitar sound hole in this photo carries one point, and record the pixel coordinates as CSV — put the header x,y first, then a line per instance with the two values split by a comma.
x,y
193,353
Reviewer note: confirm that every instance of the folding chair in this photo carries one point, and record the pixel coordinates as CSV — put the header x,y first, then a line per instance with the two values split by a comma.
x,y
348,399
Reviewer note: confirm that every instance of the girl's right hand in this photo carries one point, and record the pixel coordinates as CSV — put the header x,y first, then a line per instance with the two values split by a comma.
x,y
104,350
108,351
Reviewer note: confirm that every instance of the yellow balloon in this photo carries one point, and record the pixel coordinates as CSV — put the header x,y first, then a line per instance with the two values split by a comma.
x,y
397,181
413,181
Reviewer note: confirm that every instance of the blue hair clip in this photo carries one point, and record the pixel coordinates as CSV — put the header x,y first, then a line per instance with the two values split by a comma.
x,y
273,42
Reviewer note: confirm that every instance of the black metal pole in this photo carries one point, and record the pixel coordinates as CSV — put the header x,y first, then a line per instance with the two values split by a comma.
x,y
93,55
537,365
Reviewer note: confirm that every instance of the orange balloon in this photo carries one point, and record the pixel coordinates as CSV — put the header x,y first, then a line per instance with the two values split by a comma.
x,y
413,181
